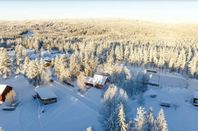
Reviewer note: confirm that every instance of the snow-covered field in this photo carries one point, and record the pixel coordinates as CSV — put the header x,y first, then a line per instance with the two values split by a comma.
x,y
71,112
178,91
76,112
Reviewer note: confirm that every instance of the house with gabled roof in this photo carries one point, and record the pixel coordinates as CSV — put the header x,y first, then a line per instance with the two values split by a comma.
x,y
4,90
97,81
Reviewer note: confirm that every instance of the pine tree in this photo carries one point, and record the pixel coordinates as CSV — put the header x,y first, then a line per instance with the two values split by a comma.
x,y
150,125
121,122
193,65
113,96
140,119
33,72
80,81
45,76
25,65
74,66
161,121
4,63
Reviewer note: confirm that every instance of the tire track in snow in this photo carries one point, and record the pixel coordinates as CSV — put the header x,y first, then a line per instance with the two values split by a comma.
x,y
86,101
29,114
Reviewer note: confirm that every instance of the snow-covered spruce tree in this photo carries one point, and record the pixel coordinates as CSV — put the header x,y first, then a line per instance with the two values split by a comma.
x,y
62,72
45,76
4,63
111,99
24,67
80,81
33,72
90,66
140,120
121,122
151,123
18,53
161,121
57,66
74,66
65,73
193,65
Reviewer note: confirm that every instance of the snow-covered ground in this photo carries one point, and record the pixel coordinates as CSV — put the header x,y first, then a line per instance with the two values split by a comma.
x,y
181,116
76,112
176,90
72,111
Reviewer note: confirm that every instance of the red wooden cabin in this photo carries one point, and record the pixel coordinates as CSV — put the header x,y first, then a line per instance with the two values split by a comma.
x,y
4,89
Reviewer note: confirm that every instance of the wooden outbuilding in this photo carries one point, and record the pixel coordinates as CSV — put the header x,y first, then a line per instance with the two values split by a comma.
x,y
46,95
4,89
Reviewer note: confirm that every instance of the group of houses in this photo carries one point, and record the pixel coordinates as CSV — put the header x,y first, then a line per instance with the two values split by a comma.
x,y
47,96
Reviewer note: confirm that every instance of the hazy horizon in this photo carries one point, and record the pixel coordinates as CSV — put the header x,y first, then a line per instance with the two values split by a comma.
x,y
165,11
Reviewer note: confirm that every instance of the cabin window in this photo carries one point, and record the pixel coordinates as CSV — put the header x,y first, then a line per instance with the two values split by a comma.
x,y
196,101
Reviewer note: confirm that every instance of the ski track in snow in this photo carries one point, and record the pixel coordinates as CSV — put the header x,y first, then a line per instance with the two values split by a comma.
x,y
86,101
29,119
33,121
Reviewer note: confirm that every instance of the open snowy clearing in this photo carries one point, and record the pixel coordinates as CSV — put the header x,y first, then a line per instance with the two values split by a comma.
x,y
178,92
71,108
181,116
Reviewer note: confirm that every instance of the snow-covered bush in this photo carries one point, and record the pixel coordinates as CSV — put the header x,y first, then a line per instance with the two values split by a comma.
x,y
90,128
11,97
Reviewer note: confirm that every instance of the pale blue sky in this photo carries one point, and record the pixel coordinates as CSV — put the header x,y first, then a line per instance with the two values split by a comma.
x,y
176,11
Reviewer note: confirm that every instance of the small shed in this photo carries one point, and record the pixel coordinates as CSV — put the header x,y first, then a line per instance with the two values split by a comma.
x,y
195,99
4,89
46,95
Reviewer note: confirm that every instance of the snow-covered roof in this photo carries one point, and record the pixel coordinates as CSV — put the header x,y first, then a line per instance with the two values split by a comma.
x,y
196,94
89,80
47,58
99,79
27,34
29,51
2,88
45,93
